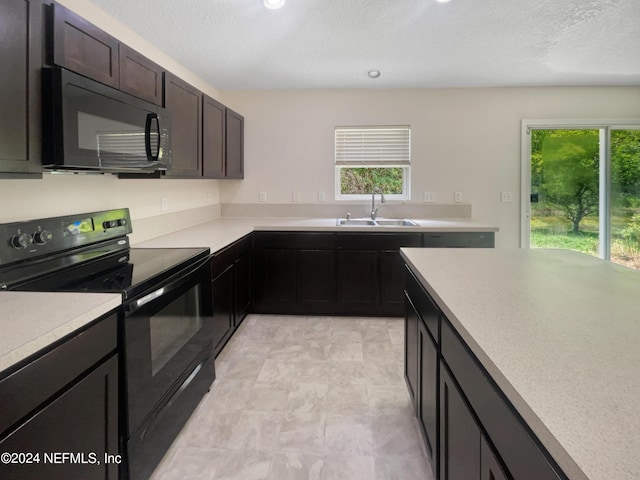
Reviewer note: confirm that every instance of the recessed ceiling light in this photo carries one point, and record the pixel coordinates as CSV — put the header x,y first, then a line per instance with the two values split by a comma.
x,y
374,73
273,4
443,1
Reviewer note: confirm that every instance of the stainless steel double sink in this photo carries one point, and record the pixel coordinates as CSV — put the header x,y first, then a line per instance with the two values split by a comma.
x,y
381,222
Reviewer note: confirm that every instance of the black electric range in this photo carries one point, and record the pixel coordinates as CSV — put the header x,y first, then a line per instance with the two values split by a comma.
x,y
166,334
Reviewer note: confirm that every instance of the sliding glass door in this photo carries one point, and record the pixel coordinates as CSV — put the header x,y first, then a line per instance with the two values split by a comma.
x,y
624,213
581,189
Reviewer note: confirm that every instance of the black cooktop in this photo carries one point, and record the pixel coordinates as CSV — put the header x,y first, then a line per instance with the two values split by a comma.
x,y
127,271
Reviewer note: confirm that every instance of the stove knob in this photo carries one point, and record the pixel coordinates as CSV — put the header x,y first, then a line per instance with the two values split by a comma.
x,y
21,241
42,237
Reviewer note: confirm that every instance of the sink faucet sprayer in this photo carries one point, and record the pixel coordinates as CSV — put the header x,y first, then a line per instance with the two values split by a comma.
x,y
374,210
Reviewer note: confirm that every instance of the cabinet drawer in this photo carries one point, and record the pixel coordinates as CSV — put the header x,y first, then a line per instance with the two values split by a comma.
x,y
425,307
517,446
295,241
377,241
459,240
223,259
30,386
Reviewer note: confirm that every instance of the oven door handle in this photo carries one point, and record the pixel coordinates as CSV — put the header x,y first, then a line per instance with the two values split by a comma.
x,y
182,277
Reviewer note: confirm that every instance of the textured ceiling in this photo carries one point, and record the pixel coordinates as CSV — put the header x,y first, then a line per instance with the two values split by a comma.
x,y
238,44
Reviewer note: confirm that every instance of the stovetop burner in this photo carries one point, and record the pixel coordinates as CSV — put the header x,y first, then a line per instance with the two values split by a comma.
x,y
72,260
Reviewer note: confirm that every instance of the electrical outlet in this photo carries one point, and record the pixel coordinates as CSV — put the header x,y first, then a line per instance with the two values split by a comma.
x,y
321,197
457,197
296,196
507,197
164,204
429,197
263,196
210,198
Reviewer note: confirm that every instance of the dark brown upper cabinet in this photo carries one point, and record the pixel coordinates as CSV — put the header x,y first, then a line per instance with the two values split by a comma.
x,y
222,141
213,138
20,86
80,46
140,77
235,145
184,107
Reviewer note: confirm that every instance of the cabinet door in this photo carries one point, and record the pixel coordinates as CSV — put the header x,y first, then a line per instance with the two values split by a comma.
x,y
357,281
184,105
82,47
315,278
490,467
391,282
222,308
235,145
20,86
82,421
428,387
243,283
213,138
411,349
459,456
275,285
140,77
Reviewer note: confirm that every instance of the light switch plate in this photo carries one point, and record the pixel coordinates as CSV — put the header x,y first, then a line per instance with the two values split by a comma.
x,y
164,204
296,196
429,197
321,197
263,196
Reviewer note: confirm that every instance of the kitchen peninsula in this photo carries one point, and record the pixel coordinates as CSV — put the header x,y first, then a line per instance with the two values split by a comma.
x,y
547,336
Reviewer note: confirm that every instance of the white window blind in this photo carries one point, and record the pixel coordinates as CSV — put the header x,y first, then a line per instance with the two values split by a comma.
x,y
373,146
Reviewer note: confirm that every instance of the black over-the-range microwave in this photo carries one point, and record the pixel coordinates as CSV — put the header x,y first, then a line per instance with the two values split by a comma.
x,y
88,126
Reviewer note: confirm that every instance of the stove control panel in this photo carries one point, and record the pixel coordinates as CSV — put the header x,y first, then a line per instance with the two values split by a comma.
x,y
48,236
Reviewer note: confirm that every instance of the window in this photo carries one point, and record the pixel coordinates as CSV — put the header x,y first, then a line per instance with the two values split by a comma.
x,y
373,157
581,187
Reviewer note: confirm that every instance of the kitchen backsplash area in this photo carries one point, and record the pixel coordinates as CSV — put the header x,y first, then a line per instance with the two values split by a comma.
x,y
360,209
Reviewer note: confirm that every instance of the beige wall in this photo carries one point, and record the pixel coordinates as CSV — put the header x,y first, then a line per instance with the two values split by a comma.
x,y
465,140
66,194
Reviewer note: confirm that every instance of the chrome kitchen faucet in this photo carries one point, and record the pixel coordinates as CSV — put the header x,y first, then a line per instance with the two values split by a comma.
x,y
374,210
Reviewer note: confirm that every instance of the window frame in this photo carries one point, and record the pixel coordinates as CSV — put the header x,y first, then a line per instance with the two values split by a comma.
x,y
406,167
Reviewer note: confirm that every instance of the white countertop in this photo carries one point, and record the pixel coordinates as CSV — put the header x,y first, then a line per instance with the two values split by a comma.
x,y
219,233
559,332
30,321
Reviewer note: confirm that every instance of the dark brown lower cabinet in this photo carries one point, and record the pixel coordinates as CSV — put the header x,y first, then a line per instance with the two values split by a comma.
x,y
82,421
411,320
342,273
243,285
315,290
427,387
459,434
232,281
357,281
60,411
275,281
490,469
470,428
222,308
465,452
294,272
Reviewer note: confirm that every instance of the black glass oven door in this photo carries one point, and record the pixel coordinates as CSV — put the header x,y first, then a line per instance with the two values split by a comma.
x,y
167,331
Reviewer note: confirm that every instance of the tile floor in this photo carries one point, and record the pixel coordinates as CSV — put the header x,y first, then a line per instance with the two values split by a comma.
x,y
295,397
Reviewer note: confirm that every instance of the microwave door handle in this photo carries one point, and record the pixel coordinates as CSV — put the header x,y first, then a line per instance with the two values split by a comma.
x,y
159,138
147,137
